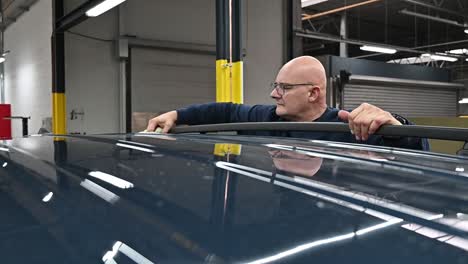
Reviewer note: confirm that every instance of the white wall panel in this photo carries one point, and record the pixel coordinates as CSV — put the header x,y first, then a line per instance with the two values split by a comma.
x,y
174,20
92,76
166,80
92,69
28,76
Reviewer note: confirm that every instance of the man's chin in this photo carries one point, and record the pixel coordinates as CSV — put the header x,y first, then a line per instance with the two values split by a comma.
x,y
280,111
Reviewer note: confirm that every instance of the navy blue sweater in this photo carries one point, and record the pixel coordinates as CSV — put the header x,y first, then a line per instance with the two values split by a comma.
x,y
213,113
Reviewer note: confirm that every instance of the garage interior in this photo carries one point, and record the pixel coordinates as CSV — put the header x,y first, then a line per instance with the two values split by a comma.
x,y
113,72
79,184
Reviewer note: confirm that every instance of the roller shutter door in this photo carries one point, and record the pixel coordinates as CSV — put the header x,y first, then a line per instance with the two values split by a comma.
x,y
417,100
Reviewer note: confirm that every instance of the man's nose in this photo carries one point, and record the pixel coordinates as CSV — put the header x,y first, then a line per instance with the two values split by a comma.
x,y
274,94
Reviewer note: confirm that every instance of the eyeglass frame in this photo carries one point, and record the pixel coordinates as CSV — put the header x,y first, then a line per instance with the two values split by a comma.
x,y
281,87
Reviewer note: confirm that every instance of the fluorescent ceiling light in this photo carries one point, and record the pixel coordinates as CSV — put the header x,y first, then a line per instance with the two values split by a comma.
x,y
463,101
2,59
5,164
378,49
458,51
466,31
411,60
443,58
103,7
306,3
439,57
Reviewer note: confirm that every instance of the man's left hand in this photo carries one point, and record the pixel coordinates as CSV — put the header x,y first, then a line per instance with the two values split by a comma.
x,y
366,119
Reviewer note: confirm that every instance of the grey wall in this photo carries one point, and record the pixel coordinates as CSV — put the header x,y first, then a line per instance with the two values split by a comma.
x,y
28,75
264,48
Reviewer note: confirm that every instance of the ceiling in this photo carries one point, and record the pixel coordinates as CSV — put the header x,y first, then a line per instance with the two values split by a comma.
x,y
382,22
13,9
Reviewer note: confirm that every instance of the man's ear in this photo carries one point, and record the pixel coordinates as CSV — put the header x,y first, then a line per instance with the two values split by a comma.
x,y
313,94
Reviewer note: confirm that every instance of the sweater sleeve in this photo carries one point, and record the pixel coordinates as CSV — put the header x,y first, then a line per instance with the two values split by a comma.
x,y
406,142
215,113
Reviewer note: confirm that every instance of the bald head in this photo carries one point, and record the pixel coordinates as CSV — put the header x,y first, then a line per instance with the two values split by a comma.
x,y
304,69
305,98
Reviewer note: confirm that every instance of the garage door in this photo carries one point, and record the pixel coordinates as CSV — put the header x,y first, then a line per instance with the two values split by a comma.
x,y
405,97
163,80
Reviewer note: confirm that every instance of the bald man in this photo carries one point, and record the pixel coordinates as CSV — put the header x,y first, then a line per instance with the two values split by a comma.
x,y
300,94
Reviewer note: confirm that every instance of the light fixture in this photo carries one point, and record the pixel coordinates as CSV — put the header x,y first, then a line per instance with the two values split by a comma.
x,y
2,59
306,3
458,51
443,58
411,60
439,57
103,7
463,101
378,49
5,164
466,30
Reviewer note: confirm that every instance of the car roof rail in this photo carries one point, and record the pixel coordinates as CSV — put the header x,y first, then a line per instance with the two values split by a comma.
x,y
433,132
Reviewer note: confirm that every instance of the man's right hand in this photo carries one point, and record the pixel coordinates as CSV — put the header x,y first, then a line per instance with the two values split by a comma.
x,y
165,121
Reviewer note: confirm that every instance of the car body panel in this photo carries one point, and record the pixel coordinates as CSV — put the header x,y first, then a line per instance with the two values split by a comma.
x,y
149,198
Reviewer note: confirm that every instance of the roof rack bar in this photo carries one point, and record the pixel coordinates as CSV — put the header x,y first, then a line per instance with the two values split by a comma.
x,y
434,132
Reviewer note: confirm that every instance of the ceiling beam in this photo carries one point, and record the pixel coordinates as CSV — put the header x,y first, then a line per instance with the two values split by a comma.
x,y
416,2
438,19
76,16
340,9
308,34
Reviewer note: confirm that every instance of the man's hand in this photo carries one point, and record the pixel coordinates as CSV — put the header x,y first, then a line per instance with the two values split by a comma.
x,y
165,121
366,119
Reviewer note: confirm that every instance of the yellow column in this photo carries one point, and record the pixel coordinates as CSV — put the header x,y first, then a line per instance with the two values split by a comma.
x,y
59,113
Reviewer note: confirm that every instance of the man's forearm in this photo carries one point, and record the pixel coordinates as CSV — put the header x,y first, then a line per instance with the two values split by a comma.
x,y
210,113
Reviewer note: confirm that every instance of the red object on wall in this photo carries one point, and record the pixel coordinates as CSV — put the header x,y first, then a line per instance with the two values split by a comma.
x,y
5,124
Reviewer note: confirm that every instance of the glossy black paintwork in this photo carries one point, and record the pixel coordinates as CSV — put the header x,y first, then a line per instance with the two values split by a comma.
x,y
183,208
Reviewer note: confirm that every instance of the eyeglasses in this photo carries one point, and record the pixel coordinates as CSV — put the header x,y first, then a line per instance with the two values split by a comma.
x,y
281,88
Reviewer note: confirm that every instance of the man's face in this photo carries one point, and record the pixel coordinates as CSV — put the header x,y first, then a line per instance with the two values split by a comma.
x,y
297,163
293,100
